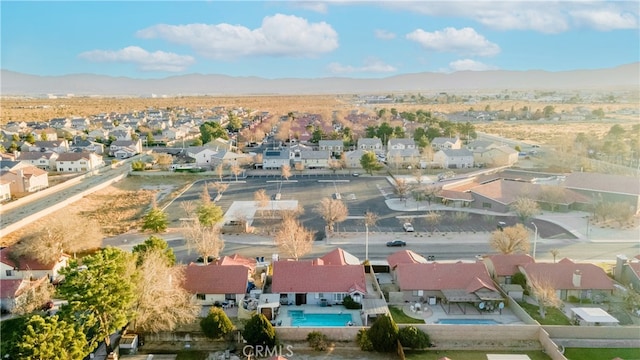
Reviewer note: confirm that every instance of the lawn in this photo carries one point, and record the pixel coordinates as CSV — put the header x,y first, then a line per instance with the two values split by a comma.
x,y
597,353
401,318
8,330
469,355
554,316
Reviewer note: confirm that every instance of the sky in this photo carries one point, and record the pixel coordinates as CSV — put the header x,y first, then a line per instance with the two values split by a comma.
x,y
314,39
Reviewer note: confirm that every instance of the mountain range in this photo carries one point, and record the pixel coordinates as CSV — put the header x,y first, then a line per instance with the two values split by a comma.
x,y
624,77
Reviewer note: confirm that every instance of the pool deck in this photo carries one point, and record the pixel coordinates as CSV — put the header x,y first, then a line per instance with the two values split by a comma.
x,y
431,314
283,314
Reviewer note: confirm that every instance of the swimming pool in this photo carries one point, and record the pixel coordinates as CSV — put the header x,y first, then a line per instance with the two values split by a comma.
x,y
468,322
300,318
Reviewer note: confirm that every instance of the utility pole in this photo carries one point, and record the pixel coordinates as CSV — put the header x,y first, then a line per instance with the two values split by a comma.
x,y
535,240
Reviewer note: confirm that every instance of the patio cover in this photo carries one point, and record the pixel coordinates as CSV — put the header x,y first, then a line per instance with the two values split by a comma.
x,y
374,306
594,315
454,296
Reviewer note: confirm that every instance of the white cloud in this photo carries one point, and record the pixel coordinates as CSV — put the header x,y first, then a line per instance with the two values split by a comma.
x,y
462,41
316,6
384,34
371,65
541,16
605,20
470,65
279,35
146,61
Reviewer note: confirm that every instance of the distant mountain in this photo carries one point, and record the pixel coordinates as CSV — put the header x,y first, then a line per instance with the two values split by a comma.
x,y
621,77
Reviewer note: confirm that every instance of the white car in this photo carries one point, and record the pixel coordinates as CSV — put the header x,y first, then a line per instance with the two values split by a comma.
x,y
408,227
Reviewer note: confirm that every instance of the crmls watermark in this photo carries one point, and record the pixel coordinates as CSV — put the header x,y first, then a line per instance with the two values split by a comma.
x,y
263,351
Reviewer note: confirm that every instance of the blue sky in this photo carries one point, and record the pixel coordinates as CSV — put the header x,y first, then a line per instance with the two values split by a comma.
x,y
312,39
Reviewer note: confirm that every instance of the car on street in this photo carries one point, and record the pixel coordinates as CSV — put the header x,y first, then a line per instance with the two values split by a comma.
x,y
396,243
355,174
408,227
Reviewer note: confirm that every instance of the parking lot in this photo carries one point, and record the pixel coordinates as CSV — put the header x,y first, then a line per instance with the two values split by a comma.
x,y
360,194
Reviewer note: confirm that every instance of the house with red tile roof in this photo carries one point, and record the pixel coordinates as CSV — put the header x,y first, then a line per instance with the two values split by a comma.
x,y
20,267
569,279
403,257
13,291
339,257
213,283
317,281
237,259
455,284
502,267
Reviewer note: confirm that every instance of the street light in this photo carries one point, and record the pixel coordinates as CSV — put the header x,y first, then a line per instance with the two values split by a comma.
x,y
535,240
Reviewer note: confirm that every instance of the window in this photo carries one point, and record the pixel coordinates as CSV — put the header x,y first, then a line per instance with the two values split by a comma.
x,y
9,273
486,205
201,296
339,297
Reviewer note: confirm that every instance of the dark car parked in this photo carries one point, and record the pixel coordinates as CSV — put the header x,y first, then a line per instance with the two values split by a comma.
x,y
396,243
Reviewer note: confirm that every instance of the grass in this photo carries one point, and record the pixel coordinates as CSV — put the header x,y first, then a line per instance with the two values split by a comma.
x,y
401,318
554,316
599,353
469,355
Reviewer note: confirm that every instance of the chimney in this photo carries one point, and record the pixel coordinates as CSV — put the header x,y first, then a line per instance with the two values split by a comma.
x,y
577,278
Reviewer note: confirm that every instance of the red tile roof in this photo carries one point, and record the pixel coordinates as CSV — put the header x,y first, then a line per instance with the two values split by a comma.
x,y
8,288
309,276
215,279
236,259
440,276
507,264
338,257
23,263
404,257
560,275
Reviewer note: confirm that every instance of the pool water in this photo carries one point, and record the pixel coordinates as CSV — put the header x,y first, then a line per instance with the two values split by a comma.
x,y
468,322
300,318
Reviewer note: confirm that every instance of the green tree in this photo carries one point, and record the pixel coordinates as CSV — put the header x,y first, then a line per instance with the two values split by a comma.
x,y
212,130
150,139
369,162
259,331
599,113
384,334
100,292
51,338
30,138
362,338
209,214
137,165
154,243
235,123
216,324
548,111
413,337
155,220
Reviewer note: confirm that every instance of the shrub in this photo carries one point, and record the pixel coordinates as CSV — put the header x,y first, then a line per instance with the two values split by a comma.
x,y
363,340
259,331
413,337
351,304
384,334
216,324
318,341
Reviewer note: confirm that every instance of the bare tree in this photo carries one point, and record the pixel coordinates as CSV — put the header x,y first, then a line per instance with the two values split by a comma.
x,y
554,252
285,172
401,188
49,241
31,298
293,239
206,240
335,165
332,211
220,187
262,200
511,240
161,302
545,294
433,218
431,192
236,170
220,170
525,208
417,173
552,196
